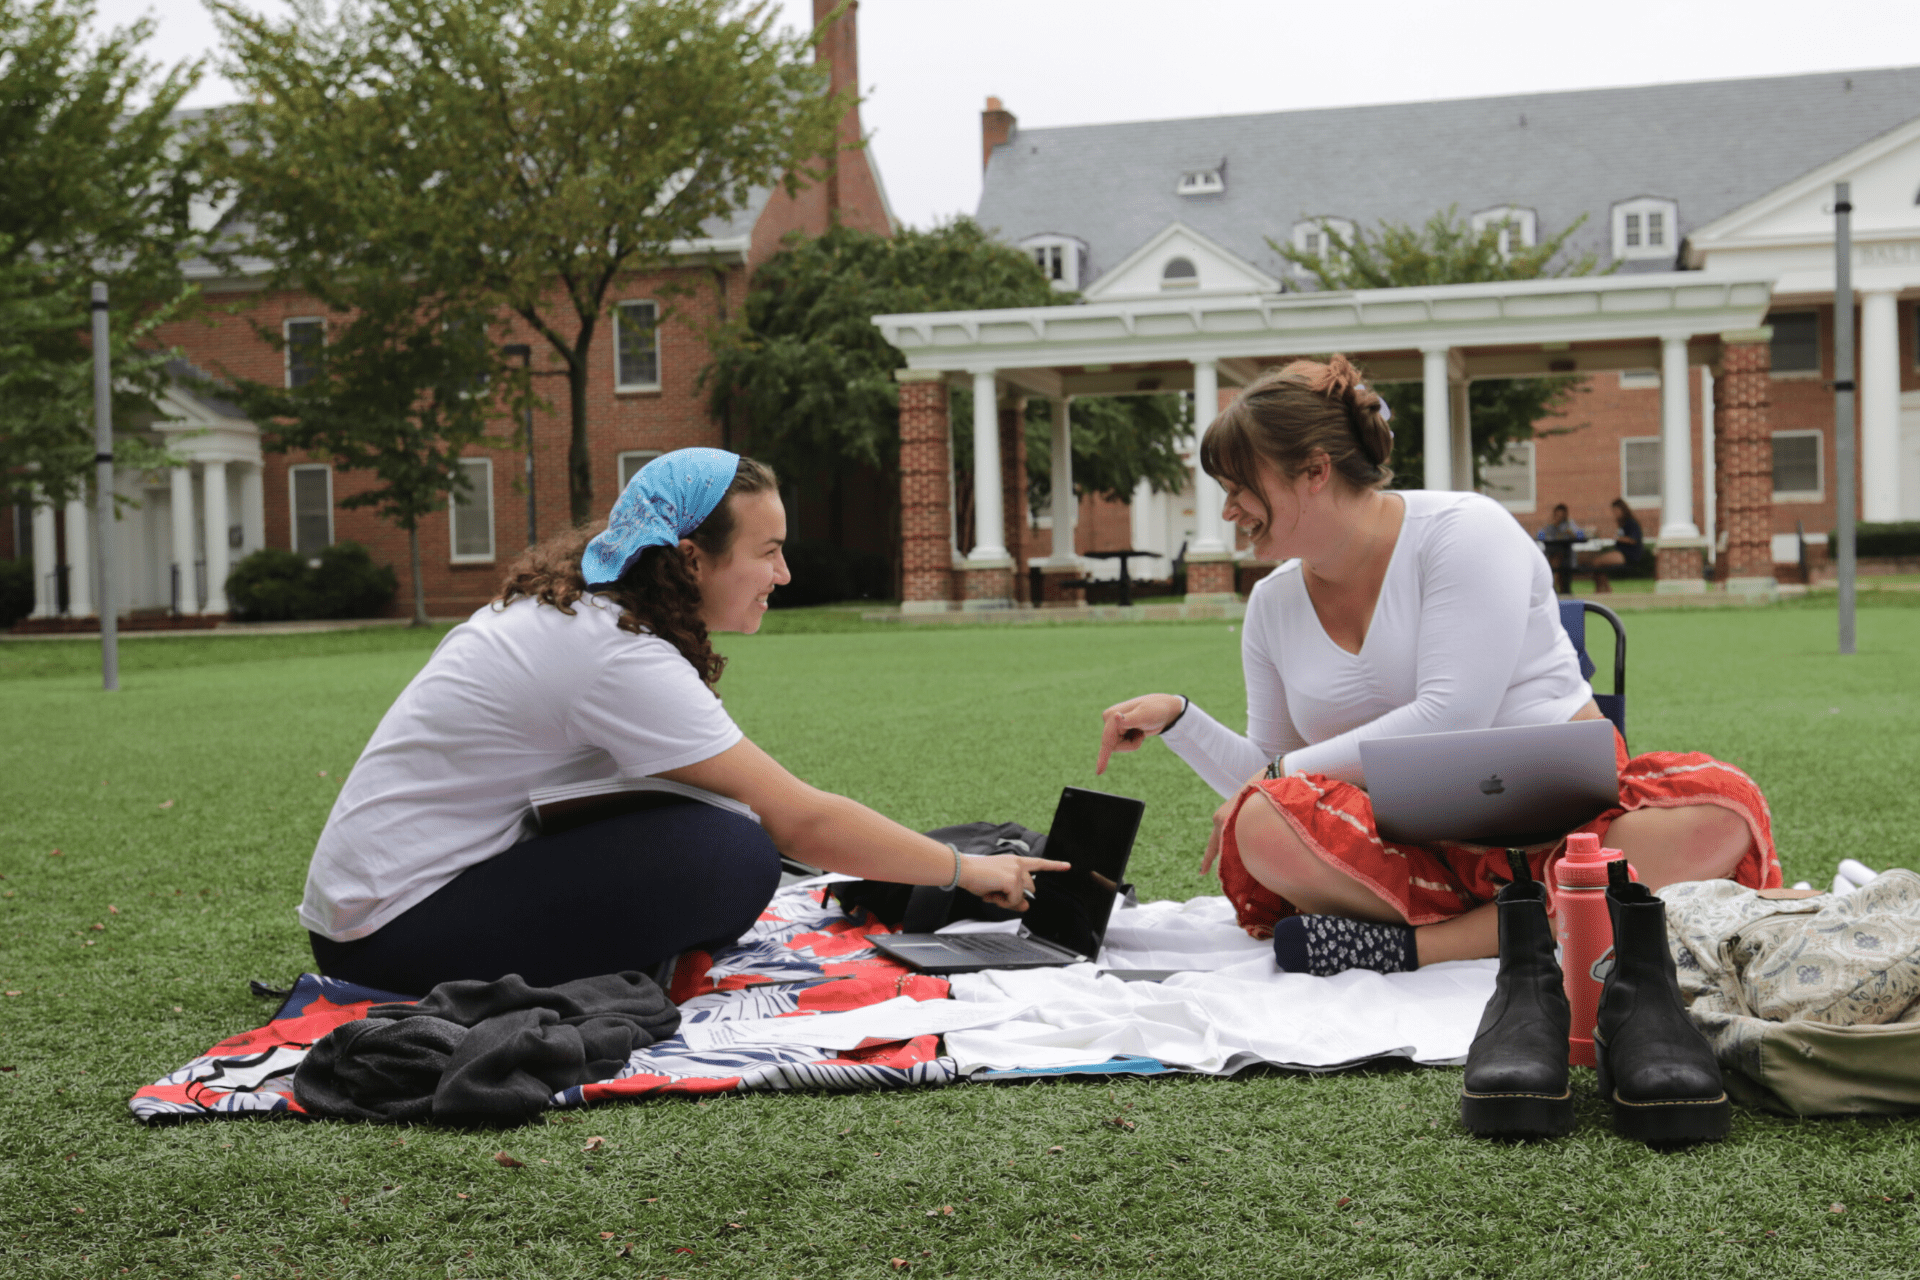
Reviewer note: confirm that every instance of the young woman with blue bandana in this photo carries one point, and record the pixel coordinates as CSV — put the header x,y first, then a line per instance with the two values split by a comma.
x,y
594,662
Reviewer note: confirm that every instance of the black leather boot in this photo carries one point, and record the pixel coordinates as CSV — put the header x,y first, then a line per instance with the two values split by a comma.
x,y
1655,1067
1516,1083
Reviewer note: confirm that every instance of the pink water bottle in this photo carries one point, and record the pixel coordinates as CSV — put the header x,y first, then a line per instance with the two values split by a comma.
x,y
1585,932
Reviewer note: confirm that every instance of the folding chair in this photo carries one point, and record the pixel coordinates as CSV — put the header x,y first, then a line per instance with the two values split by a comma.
x,y
1573,617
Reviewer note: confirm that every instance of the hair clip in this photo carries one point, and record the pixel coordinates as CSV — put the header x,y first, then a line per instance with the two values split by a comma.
x,y
1386,414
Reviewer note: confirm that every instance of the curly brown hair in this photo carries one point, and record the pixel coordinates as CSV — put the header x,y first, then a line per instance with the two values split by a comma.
x,y
657,595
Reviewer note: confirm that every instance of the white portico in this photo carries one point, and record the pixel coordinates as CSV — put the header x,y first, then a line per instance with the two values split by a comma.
x,y
1788,236
1195,339
177,532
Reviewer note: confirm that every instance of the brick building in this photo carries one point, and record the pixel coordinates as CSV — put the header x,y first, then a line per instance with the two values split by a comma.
x,y
1167,229
175,546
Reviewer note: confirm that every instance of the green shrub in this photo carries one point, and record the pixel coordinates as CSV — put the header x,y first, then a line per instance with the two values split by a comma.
x,y
272,585
16,590
347,583
824,573
1893,538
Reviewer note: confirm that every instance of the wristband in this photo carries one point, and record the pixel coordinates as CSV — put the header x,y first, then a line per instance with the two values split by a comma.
x,y
1185,702
954,883
1277,767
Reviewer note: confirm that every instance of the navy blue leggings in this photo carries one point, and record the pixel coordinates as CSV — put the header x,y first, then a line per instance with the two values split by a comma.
x,y
626,893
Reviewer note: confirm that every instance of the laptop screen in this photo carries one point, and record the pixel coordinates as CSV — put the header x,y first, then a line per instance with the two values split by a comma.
x,y
1095,832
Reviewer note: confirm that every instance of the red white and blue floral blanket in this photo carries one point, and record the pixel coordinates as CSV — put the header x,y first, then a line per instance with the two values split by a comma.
x,y
803,957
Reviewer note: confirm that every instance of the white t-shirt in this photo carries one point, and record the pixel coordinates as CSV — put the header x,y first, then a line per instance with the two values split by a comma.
x,y
1466,635
514,699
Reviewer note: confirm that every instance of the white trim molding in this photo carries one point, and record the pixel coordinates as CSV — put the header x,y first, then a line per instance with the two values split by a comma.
x,y
1060,259
293,505
467,510
1646,228
287,327
1819,491
620,382
1600,322
1651,462
1510,219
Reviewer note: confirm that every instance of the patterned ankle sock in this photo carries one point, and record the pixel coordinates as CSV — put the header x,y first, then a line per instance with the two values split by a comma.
x,y
1326,945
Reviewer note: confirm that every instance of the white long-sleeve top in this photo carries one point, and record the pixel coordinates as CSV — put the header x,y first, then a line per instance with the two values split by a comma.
x,y
1466,635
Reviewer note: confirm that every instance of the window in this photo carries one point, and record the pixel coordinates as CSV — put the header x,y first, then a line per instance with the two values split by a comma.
x,y
1315,235
1179,273
1058,258
1796,342
1646,228
1640,465
23,525
311,494
1515,224
631,461
1796,466
1510,480
305,341
636,327
471,512
1639,379
1202,182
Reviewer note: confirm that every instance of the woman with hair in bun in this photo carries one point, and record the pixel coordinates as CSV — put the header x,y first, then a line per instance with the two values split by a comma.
x,y
1395,613
595,661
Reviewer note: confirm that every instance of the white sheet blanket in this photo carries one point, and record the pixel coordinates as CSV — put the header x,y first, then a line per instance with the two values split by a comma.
x,y
1237,1009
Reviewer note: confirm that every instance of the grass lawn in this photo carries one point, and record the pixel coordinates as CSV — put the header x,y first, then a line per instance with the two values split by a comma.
x,y
184,809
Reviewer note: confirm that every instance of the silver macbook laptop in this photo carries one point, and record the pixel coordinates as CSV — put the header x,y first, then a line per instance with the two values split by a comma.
x,y
1091,830
1501,787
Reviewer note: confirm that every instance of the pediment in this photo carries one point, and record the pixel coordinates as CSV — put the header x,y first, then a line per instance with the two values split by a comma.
x,y
1216,269
1885,178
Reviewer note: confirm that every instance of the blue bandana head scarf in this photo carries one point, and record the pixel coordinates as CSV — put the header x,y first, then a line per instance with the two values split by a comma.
x,y
664,502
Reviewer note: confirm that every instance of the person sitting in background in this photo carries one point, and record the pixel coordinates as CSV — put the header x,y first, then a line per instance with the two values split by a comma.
x,y
1629,546
1556,540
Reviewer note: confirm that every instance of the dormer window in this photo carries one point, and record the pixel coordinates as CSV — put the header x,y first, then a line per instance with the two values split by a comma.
x,y
1517,227
1202,182
1315,236
1058,257
1646,228
1179,273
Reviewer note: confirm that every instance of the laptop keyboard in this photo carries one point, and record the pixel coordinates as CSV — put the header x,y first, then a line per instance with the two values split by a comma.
x,y
1001,945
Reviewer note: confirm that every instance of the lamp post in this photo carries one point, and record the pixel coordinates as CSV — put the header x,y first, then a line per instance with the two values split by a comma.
x,y
525,352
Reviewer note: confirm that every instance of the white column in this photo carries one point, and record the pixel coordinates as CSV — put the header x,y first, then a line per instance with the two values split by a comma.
x,y
989,515
1436,439
1676,442
213,483
182,516
79,560
46,599
253,506
1879,407
1065,504
1208,496
1708,474
1460,424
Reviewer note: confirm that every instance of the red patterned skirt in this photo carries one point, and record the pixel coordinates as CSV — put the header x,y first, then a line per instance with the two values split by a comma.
x,y
1431,882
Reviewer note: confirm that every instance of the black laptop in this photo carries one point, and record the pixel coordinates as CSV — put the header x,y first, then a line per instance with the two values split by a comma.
x,y
1067,919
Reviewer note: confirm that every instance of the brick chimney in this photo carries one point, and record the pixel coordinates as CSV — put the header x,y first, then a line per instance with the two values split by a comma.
x,y
996,126
839,48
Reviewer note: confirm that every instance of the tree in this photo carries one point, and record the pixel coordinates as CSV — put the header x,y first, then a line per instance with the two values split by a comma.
x,y
536,150
98,182
1502,411
806,371
404,386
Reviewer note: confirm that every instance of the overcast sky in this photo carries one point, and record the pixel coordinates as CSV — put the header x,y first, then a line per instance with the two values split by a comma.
x,y
928,65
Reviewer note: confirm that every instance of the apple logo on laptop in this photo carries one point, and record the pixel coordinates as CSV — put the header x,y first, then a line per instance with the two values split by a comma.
x,y
1493,786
